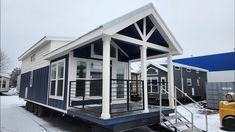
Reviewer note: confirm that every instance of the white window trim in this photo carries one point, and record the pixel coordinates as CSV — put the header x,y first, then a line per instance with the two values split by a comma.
x,y
93,55
190,81
55,96
156,70
151,84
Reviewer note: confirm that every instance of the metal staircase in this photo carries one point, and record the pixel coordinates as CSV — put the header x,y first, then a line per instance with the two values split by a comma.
x,y
178,122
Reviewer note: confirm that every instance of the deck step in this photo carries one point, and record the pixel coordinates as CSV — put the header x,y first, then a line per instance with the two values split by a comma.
x,y
172,117
190,130
180,124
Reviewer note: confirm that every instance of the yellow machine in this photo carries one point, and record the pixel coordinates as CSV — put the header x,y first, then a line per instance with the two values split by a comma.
x,y
227,112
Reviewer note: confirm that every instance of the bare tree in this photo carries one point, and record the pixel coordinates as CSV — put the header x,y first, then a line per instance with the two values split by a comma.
x,y
4,62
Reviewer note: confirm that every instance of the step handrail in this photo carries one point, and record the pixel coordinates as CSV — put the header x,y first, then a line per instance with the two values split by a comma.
x,y
192,122
201,107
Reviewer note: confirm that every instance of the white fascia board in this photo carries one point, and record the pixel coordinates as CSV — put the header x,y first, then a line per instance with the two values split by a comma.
x,y
39,43
124,21
81,41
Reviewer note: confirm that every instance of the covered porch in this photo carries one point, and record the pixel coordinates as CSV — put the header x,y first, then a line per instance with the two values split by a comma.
x,y
99,77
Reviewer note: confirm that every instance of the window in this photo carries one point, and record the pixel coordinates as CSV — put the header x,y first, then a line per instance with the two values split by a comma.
x,y
153,85
197,71
177,68
0,83
57,79
81,69
33,57
188,70
97,51
31,79
4,83
189,82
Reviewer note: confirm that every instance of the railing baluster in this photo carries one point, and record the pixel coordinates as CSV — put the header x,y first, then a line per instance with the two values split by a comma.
x,y
128,95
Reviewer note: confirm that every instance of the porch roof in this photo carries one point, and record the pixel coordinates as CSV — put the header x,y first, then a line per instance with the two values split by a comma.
x,y
159,37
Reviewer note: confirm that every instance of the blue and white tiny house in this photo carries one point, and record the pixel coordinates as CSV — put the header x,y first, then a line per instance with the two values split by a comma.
x,y
89,77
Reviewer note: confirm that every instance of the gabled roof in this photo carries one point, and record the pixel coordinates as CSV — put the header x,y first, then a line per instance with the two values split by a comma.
x,y
112,27
216,62
43,41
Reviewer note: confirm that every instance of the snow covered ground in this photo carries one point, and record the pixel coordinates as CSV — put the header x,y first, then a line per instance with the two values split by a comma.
x,y
14,118
213,119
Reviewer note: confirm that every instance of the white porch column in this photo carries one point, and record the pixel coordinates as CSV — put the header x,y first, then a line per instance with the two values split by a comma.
x,y
170,75
143,51
106,77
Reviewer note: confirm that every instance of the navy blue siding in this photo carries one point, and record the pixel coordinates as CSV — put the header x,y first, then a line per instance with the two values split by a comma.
x,y
38,91
61,104
24,82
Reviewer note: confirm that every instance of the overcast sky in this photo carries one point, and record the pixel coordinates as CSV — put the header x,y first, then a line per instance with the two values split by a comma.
x,y
201,26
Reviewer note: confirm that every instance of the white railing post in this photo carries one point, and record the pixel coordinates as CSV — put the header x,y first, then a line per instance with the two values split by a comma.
x,y
106,78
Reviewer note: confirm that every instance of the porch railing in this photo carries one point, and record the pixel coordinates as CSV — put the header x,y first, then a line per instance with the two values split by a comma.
x,y
87,94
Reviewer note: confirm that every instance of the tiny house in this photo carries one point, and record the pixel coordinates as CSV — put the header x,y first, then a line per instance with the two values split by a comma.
x,y
4,83
188,79
89,77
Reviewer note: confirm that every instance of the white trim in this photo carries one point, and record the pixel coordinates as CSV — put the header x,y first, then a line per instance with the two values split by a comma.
x,y
56,80
151,84
187,66
139,31
150,33
189,80
156,70
140,42
51,107
93,55
159,66
118,24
